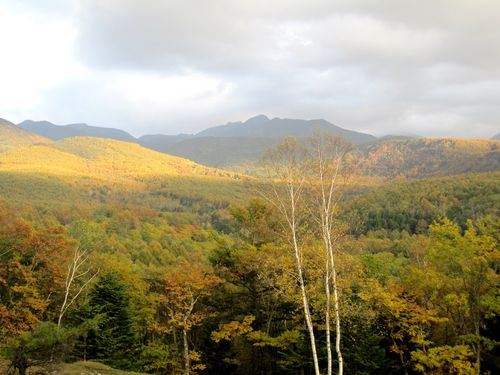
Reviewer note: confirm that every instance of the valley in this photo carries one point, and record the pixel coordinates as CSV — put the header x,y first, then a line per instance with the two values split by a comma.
x,y
170,250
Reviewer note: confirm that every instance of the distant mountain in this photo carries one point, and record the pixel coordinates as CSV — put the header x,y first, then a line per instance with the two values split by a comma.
x,y
238,142
11,136
263,127
56,132
428,157
496,137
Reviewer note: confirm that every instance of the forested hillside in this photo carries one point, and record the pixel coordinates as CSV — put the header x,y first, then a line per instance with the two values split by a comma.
x,y
100,158
12,137
145,262
427,157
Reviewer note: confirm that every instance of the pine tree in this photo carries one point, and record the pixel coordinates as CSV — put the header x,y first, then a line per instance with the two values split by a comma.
x,y
113,342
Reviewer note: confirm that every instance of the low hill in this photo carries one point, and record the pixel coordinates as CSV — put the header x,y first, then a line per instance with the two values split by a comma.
x,y
56,132
100,158
11,137
419,158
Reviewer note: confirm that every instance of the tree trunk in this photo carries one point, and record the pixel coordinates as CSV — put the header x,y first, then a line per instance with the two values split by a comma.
x,y
337,322
335,299
305,302
327,316
187,362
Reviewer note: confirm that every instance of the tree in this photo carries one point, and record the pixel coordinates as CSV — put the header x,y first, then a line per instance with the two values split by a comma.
x,y
183,287
328,167
467,265
80,272
45,345
113,341
287,169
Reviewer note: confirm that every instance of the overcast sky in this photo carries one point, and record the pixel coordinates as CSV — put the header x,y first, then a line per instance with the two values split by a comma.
x,y
159,66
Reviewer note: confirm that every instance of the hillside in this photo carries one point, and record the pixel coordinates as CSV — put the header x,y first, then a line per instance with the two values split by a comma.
x,y
56,132
419,158
406,205
222,151
101,158
162,142
12,137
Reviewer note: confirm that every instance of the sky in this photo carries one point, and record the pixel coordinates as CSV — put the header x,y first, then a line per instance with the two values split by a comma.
x,y
427,67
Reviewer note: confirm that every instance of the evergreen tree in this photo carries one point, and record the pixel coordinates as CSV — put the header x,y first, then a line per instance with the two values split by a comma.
x,y
113,341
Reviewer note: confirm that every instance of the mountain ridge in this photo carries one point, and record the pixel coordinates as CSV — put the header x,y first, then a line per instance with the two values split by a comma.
x,y
57,132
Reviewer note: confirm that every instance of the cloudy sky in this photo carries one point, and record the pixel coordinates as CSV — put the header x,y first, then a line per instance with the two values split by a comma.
x,y
429,67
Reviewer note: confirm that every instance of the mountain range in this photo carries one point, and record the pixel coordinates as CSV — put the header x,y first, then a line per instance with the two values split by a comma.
x,y
218,146
235,146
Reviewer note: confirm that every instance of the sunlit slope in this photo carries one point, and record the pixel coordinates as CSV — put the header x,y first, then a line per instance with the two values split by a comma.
x,y
11,137
101,158
419,158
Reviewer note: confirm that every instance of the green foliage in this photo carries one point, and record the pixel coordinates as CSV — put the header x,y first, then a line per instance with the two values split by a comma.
x,y
45,344
413,206
161,358
113,342
444,360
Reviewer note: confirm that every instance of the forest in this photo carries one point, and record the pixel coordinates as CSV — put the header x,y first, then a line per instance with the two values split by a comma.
x,y
312,270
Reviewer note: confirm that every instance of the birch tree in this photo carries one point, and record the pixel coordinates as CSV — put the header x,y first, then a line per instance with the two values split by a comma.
x,y
327,167
78,277
80,271
287,168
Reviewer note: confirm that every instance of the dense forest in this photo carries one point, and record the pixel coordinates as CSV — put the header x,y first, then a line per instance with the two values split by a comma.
x,y
309,272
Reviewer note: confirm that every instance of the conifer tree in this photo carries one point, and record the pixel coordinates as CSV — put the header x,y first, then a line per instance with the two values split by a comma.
x,y
113,341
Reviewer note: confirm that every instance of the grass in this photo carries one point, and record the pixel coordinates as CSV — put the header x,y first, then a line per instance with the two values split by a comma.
x,y
76,368
89,368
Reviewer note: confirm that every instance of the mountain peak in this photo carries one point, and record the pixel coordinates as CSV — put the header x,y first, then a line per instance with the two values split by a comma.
x,y
258,118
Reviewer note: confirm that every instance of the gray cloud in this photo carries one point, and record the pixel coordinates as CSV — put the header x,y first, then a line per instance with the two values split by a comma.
x,y
426,67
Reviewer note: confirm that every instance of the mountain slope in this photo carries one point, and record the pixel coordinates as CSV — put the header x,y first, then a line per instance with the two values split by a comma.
x,y
162,142
419,158
56,132
222,151
496,137
101,158
11,137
